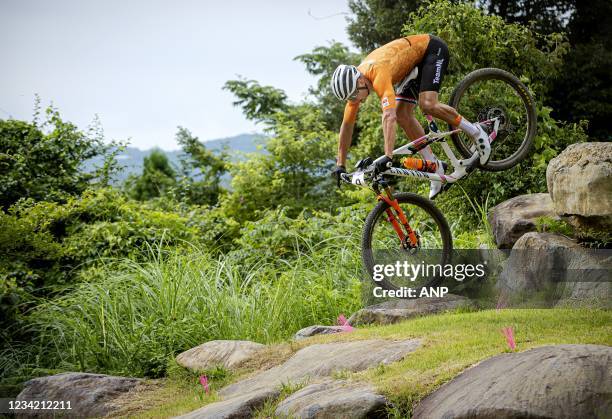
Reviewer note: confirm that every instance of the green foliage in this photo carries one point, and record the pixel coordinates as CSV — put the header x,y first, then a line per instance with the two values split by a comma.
x,y
476,40
553,225
44,162
276,237
545,16
49,244
140,314
259,103
157,178
292,174
200,181
584,88
376,22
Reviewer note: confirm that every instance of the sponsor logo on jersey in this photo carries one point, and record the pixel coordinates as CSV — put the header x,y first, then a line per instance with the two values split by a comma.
x,y
385,102
439,63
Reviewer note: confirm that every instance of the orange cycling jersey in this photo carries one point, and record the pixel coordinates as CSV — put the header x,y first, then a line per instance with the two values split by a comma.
x,y
388,65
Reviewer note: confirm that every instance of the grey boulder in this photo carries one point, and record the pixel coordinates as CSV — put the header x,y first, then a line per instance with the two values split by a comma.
x,y
580,184
226,353
517,216
557,270
317,330
562,381
333,399
242,406
90,395
399,309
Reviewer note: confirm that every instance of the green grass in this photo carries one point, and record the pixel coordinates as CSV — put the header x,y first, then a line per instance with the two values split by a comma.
x,y
142,314
451,342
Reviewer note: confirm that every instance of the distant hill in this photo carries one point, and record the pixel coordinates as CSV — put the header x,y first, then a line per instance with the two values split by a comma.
x,y
132,158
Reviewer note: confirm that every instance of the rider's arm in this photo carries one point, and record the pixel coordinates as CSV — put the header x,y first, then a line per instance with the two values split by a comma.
x,y
384,88
389,120
346,136
346,131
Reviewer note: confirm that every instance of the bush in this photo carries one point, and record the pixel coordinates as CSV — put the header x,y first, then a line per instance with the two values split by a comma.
x,y
45,247
44,162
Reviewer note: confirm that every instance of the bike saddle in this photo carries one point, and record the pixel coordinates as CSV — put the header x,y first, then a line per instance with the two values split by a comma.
x,y
411,76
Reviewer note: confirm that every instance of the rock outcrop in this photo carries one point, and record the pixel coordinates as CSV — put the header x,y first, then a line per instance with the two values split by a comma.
x,y
333,399
580,184
557,269
399,309
322,360
307,365
517,216
562,381
90,395
225,353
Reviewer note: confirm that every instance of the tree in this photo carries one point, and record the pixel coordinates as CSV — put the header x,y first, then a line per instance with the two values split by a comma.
x,y
201,170
259,103
157,178
584,88
376,22
292,174
544,16
45,162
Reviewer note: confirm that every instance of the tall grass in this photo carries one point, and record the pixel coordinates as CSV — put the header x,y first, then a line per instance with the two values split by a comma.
x,y
141,314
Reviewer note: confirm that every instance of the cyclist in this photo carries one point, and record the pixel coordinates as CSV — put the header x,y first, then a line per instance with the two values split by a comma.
x,y
390,65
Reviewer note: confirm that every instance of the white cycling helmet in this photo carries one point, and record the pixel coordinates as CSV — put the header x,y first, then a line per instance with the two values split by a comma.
x,y
344,81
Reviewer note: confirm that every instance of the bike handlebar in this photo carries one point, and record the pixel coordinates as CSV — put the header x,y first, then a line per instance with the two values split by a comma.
x,y
346,177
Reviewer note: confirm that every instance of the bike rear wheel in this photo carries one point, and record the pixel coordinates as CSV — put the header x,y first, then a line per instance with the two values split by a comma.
x,y
382,246
488,93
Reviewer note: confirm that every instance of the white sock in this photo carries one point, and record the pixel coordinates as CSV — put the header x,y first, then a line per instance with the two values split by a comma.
x,y
469,128
428,154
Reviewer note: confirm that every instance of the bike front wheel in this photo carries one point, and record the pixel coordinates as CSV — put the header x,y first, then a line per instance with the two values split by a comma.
x,y
494,93
382,247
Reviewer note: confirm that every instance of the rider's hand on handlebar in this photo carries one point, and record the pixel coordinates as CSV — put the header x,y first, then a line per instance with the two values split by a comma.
x,y
382,163
337,173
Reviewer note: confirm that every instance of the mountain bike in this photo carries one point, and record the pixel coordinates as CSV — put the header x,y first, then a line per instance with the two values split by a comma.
x,y
407,227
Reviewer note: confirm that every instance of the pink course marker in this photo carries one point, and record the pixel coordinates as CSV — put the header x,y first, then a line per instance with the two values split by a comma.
x,y
509,334
204,382
343,322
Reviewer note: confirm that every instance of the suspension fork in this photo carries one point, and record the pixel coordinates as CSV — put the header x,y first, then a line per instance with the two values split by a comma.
x,y
393,204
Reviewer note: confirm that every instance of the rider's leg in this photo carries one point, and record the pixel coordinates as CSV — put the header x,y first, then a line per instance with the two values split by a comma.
x,y
414,130
428,102
411,126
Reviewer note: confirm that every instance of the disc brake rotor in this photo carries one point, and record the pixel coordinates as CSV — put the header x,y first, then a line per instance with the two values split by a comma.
x,y
505,127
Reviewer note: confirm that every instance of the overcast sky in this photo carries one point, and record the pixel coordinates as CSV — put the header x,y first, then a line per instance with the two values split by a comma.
x,y
147,66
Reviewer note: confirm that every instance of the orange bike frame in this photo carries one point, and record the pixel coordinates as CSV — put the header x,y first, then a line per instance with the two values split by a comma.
x,y
402,217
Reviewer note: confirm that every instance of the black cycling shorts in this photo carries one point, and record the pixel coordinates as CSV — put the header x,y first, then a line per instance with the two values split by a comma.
x,y
431,72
